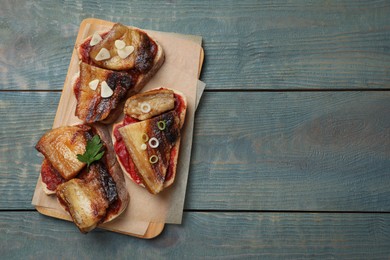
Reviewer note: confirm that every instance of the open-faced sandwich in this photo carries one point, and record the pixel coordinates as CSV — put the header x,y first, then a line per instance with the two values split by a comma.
x,y
80,168
113,66
147,141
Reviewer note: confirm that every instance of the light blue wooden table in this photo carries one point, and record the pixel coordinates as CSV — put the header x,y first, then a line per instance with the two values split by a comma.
x,y
291,154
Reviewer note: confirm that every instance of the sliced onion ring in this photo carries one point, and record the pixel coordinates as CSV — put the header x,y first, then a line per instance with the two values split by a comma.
x,y
153,159
145,107
161,125
145,137
153,142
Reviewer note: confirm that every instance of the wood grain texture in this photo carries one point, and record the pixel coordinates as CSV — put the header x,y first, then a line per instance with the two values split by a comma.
x,y
248,44
24,118
205,235
292,151
319,151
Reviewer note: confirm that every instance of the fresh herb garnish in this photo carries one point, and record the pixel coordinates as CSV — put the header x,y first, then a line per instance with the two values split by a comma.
x,y
92,151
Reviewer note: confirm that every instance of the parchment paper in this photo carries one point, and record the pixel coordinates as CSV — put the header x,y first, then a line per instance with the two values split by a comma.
x,y
180,71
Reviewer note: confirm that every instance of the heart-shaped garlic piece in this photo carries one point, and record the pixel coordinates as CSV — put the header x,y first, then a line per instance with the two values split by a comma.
x,y
96,38
93,84
119,44
105,90
103,54
125,52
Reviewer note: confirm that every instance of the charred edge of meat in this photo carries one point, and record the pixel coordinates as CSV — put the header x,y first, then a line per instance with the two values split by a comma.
x,y
88,135
144,60
166,139
172,131
105,178
104,105
108,183
91,112
122,80
120,83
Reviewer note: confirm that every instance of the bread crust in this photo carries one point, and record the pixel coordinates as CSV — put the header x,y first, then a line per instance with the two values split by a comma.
x,y
182,116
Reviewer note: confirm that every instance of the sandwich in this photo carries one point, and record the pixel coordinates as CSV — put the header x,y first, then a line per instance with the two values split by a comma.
x,y
80,169
147,141
113,66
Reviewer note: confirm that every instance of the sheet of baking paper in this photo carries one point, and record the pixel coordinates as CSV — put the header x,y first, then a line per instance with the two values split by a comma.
x,y
180,56
180,71
199,92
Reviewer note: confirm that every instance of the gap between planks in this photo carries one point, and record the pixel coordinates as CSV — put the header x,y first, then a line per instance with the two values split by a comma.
x,y
231,90
246,211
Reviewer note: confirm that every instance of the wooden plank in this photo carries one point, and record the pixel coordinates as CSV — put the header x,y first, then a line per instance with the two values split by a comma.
x,y
205,235
326,151
248,44
305,151
25,116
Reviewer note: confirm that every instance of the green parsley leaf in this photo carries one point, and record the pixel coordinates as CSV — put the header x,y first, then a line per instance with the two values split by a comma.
x,y
92,151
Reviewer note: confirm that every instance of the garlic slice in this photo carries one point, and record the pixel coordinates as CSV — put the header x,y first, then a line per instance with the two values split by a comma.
x,y
105,90
119,44
103,54
96,38
124,53
93,84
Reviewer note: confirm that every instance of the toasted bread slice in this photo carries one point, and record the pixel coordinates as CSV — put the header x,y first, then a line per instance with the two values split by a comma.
x,y
95,194
126,137
142,64
140,58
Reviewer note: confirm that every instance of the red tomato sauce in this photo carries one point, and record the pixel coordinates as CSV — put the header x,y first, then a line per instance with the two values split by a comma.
x,y
50,176
113,209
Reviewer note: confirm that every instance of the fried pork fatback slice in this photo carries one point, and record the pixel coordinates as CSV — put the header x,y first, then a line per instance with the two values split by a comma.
x,y
136,50
60,147
92,103
85,201
149,144
151,103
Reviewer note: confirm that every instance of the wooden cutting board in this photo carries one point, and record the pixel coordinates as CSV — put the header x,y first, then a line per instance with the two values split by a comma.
x,y
153,228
